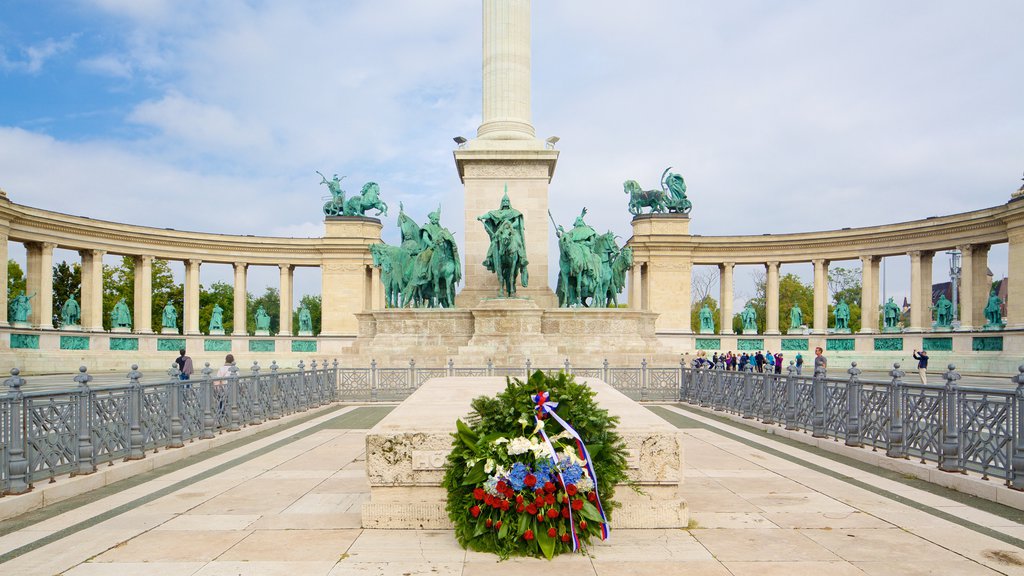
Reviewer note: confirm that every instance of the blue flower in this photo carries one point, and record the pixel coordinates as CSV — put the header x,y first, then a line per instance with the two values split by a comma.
x,y
572,474
543,472
517,475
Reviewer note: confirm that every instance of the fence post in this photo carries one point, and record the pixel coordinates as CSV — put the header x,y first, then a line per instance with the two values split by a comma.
x,y
1017,461
747,404
136,450
684,388
568,367
86,465
257,406
818,393
373,380
233,412
174,397
853,401
451,367
275,392
949,460
334,384
412,374
17,463
643,380
529,367
895,448
209,423
605,369
790,412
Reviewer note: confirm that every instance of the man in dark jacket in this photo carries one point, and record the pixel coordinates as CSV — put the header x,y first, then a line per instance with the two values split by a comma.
x,y
922,365
759,361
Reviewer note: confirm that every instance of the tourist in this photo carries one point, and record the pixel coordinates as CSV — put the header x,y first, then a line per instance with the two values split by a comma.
x,y
184,365
799,363
778,362
820,362
922,365
744,360
770,360
759,361
225,370
714,359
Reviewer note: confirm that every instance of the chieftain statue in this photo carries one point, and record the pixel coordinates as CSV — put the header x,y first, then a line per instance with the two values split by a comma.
x,y
707,320
217,320
671,197
169,318
120,316
842,315
591,266
943,312
305,321
425,269
994,312
749,318
890,316
262,321
368,197
20,308
70,313
506,255
796,317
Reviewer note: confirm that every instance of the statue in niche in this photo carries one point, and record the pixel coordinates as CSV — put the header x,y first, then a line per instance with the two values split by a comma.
x,y
217,320
749,318
796,317
70,313
943,312
707,320
842,316
121,316
994,312
21,308
262,320
506,256
169,318
890,315
305,320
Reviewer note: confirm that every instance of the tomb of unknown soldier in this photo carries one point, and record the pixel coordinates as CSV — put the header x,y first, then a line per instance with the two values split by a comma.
x,y
507,387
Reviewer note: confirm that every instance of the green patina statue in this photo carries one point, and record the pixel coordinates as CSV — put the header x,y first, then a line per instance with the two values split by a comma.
x,y
994,312
506,255
217,320
749,318
671,197
943,312
796,317
120,316
592,266
262,320
305,320
707,320
842,316
425,269
338,205
169,318
70,313
890,315
20,308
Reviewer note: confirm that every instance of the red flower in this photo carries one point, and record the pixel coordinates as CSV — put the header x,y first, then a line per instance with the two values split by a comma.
x,y
550,500
565,512
552,532
528,535
475,511
540,516
549,487
504,505
519,498
489,500
577,504
531,509
565,537
539,501
520,508
479,493
497,525
592,497
583,524
552,513
489,523
502,486
571,489
530,480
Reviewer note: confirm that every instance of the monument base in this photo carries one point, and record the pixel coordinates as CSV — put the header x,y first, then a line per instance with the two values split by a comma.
x,y
993,327
170,331
306,333
406,452
750,332
892,330
706,331
942,328
21,325
262,333
71,328
219,332
121,330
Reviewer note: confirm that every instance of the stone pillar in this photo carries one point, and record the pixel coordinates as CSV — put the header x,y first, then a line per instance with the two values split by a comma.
x,y
1015,263
3,278
820,296
663,242
966,288
287,307
39,281
725,295
143,313
920,291
376,289
869,294
506,71
92,289
241,314
191,313
771,305
346,256
980,286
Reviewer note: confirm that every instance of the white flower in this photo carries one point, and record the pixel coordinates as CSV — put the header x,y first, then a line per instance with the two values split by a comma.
x,y
501,440
570,454
585,484
518,445
489,466
539,450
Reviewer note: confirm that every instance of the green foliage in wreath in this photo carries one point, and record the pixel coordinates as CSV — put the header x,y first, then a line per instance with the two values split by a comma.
x,y
507,495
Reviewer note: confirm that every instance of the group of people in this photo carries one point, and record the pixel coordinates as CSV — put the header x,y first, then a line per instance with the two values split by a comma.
x,y
759,362
185,367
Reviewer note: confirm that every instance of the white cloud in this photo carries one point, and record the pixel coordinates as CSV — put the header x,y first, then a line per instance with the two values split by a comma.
x,y
108,65
33,57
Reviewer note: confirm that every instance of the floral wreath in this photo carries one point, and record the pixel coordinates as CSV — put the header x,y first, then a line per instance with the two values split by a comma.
x,y
532,476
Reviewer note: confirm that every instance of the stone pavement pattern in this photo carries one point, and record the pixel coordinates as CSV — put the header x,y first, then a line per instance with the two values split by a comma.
x,y
289,504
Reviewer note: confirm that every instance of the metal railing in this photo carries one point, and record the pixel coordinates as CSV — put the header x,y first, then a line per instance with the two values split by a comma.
x,y
46,434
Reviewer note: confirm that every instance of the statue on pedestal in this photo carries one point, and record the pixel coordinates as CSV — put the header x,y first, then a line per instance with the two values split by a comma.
x,y
890,316
338,205
707,320
592,266
842,316
506,255
262,322
305,321
994,313
796,318
120,316
70,313
943,312
749,318
21,308
169,319
671,197
217,320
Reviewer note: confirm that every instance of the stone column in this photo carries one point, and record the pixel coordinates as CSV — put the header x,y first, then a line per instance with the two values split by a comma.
x,y
344,276
287,282
920,291
92,289
869,294
3,278
376,289
820,296
966,289
636,297
143,313
725,295
241,317
771,305
39,281
1015,279
506,71
663,243
981,286
191,313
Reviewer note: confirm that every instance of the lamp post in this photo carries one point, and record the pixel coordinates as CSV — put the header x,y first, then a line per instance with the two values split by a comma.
x,y
954,280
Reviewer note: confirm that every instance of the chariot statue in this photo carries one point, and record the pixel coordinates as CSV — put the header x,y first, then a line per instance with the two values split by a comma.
x,y
671,197
338,205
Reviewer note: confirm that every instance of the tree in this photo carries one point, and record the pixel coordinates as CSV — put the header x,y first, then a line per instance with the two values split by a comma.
x,y
221,294
701,283
15,280
695,313
271,302
315,306
67,283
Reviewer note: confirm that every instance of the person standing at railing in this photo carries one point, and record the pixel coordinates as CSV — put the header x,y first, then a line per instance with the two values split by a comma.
x,y
778,362
922,365
184,365
820,362
799,363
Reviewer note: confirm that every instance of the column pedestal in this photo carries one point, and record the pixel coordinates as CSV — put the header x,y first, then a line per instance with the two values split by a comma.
x,y
346,279
663,242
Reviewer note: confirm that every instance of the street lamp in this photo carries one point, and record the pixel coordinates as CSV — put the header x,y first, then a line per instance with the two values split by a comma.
x,y
954,280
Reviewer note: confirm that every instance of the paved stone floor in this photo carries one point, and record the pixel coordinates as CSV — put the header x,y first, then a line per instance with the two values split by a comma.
x,y
288,503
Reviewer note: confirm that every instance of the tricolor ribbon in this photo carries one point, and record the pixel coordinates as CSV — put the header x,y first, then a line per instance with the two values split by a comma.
x,y
544,407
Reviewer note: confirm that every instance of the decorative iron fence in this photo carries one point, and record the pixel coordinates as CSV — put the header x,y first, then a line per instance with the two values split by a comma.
x,y
46,434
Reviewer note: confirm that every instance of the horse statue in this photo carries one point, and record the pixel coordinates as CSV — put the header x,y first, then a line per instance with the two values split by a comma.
x,y
640,198
507,264
622,262
395,266
369,197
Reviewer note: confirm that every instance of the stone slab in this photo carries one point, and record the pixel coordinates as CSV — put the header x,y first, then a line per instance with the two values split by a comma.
x,y
406,451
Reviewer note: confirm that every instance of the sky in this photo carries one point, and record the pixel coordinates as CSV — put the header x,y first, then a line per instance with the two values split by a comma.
x,y
783,116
